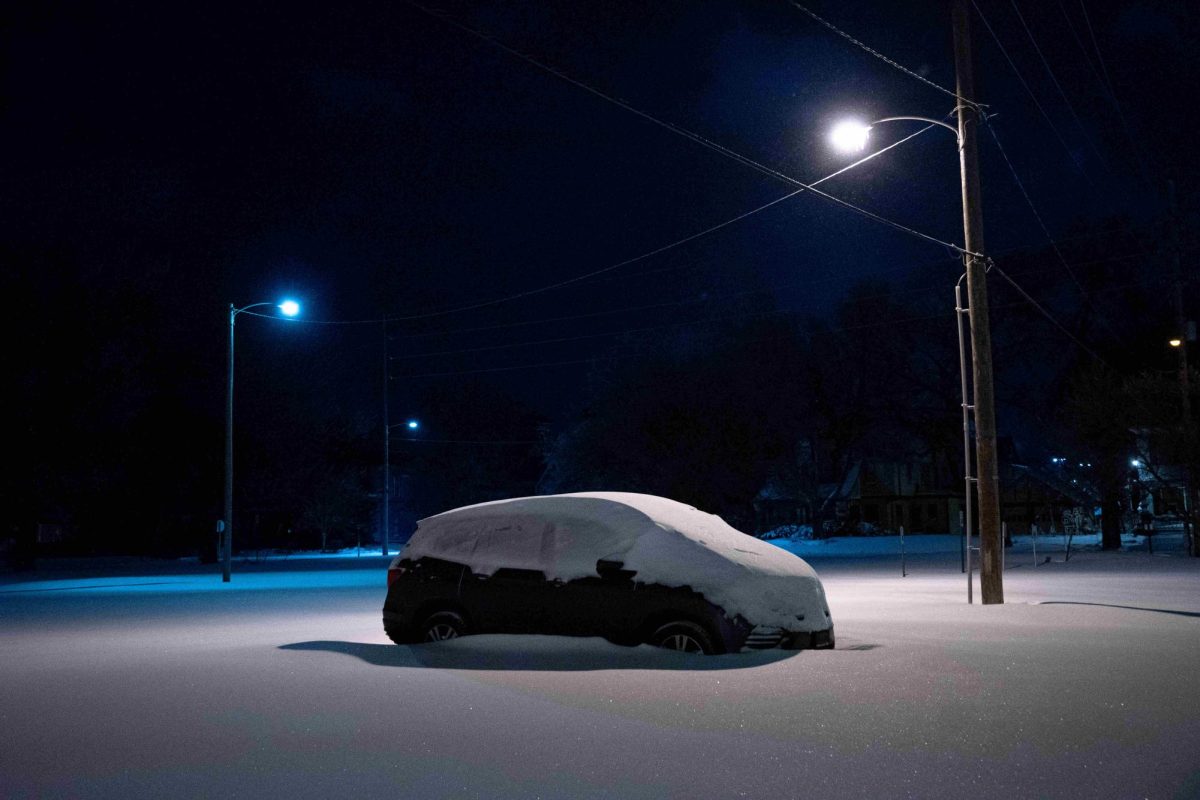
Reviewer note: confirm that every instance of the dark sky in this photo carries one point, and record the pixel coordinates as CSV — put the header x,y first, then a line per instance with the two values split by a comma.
x,y
164,160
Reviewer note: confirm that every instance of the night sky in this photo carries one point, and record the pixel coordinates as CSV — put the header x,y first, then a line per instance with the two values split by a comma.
x,y
373,161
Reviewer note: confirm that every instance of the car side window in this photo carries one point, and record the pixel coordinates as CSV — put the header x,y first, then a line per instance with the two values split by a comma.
x,y
509,573
437,569
614,571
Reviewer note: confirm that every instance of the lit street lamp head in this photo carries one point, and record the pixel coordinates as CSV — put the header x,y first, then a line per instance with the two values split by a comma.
x,y
1176,342
850,136
289,308
412,424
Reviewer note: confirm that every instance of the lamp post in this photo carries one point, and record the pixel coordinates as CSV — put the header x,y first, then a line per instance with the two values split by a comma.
x,y
853,136
288,308
412,425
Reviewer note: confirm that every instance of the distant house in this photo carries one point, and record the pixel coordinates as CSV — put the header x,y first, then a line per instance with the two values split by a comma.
x,y
1031,496
1156,483
923,496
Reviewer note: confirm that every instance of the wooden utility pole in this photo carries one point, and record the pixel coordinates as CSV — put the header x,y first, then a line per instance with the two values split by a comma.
x,y
991,576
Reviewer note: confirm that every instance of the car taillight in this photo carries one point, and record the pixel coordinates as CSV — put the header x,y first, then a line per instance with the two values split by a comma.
x,y
394,573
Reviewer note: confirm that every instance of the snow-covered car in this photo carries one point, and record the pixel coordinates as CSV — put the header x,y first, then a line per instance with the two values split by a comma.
x,y
633,568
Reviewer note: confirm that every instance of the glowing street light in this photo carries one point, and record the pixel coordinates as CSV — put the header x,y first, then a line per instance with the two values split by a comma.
x,y
288,308
850,136
412,424
1175,342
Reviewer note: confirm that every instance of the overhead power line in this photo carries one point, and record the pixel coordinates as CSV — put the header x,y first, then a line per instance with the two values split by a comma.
x,y
1054,79
673,128
1026,300
1028,90
697,299
1107,89
1050,238
890,62
643,256
1041,310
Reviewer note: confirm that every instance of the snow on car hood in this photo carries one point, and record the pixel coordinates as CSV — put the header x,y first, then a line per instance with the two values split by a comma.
x,y
666,542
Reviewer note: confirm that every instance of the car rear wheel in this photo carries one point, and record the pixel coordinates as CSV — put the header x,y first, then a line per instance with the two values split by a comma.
x,y
683,636
442,626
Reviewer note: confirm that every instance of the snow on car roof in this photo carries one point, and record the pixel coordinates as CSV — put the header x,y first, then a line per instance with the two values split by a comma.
x,y
664,541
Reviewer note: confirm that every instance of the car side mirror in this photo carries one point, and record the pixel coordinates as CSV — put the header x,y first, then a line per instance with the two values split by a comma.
x,y
613,570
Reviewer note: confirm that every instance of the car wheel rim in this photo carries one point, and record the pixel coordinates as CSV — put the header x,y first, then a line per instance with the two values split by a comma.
x,y
683,643
441,632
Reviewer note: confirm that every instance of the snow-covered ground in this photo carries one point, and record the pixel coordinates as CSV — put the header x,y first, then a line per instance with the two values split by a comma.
x,y
166,683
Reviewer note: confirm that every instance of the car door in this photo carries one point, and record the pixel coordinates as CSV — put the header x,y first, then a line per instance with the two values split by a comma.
x,y
510,600
599,606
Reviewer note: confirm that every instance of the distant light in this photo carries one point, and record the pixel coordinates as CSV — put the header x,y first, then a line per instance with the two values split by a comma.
x,y
289,308
1175,342
850,136
413,424
1135,463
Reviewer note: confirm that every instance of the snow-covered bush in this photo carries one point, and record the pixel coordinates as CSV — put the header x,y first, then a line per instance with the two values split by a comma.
x,y
789,532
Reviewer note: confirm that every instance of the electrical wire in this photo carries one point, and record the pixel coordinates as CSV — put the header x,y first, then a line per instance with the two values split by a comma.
x,y
893,293
1074,161
1107,89
823,331
809,282
977,107
656,251
1054,79
1050,238
1096,45
691,136
1045,313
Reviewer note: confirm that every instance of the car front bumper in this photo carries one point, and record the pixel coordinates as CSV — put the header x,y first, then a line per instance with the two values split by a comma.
x,y
763,638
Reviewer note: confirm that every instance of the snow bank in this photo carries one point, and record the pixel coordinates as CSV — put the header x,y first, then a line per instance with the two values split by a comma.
x,y
664,541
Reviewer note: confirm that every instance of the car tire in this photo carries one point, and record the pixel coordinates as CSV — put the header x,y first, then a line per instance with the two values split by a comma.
x,y
442,626
683,636
398,634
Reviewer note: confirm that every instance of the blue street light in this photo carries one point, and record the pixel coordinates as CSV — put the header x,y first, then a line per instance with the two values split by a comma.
x,y
412,425
289,308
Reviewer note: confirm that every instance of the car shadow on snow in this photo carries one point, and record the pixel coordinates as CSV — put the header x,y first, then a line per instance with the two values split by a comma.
x,y
1171,611
538,654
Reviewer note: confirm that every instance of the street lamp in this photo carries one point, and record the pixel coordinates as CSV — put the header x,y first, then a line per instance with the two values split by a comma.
x,y
411,425
852,136
288,308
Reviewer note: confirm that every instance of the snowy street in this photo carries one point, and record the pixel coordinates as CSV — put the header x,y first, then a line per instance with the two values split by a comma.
x,y
165,683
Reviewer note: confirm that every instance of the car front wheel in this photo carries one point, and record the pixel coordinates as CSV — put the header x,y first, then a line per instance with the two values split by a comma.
x,y
683,636
442,626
